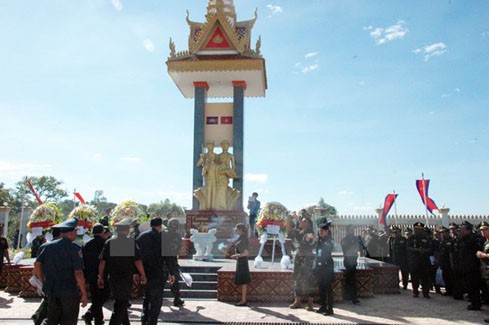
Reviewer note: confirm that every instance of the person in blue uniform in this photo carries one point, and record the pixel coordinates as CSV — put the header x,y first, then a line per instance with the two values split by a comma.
x,y
121,259
59,266
159,268
40,316
351,246
242,276
324,270
91,252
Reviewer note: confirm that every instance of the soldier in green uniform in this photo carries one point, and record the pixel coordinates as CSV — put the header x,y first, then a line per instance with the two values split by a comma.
x,y
444,260
398,246
471,265
59,266
456,261
303,241
419,249
483,255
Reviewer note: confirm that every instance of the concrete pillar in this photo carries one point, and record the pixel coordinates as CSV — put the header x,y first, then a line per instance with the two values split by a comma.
x,y
379,212
444,216
238,136
4,213
201,88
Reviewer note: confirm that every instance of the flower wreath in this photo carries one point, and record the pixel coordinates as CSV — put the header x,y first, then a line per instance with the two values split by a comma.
x,y
124,210
272,213
86,215
45,216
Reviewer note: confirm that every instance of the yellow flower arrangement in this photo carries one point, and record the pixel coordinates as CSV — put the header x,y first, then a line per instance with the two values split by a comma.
x,y
126,209
86,214
46,215
272,213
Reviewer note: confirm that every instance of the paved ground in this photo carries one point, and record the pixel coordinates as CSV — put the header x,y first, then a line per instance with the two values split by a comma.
x,y
381,309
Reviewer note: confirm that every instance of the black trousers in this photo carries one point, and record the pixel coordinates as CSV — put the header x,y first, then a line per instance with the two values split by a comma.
x,y
41,313
351,283
63,311
448,279
421,276
121,290
99,297
472,284
325,277
152,300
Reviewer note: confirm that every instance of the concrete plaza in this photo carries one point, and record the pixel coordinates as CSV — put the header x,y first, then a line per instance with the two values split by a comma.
x,y
381,309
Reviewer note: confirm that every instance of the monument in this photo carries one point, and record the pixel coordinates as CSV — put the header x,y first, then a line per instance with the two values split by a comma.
x,y
219,63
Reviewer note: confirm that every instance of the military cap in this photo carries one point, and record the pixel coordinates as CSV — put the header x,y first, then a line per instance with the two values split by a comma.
x,y
467,224
324,223
126,222
418,224
155,222
453,225
484,225
67,225
241,226
99,228
395,228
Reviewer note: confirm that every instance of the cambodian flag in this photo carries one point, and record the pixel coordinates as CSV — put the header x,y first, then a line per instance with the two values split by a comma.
x,y
422,186
388,202
212,120
79,197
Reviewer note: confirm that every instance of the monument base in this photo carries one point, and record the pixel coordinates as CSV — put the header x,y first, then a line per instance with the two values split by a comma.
x,y
223,221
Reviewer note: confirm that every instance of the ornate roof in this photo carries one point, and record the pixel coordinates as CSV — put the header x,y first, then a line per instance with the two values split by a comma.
x,y
221,34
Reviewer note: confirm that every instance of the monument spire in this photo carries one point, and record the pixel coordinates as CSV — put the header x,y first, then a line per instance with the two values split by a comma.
x,y
226,7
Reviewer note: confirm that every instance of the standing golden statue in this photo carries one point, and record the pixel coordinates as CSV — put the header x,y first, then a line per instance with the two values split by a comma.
x,y
217,170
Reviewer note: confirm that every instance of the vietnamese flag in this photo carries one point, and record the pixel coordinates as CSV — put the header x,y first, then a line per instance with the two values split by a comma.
x,y
226,120
422,186
388,202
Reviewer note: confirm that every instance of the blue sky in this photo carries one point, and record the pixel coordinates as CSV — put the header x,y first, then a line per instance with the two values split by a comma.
x,y
363,96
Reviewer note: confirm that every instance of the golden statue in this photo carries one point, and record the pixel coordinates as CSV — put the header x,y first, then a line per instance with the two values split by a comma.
x,y
217,170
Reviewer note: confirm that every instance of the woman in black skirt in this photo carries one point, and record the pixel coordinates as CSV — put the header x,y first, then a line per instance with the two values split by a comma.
x,y
241,255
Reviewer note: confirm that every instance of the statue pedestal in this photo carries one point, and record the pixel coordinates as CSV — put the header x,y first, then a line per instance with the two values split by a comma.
x,y
223,221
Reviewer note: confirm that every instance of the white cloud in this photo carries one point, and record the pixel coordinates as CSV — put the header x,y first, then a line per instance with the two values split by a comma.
x,y
306,67
275,9
258,178
97,157
13,170
309,68
345,192
148,45
383,35
117,4
453,92
131,160
310,55
431,50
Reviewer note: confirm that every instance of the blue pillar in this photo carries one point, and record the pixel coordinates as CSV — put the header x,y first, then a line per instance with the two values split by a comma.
x,y
238,134
199,115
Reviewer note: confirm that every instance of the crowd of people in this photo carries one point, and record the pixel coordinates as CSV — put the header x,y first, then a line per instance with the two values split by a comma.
x,y
108,265
455,259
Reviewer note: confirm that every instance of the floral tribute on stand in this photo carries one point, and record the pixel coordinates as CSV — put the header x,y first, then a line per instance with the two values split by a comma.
x,y
87,216
126,209
272,222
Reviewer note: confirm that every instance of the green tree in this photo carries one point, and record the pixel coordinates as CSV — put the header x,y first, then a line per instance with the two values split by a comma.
x,y
162,208
323,205
6,196
47,187
100,202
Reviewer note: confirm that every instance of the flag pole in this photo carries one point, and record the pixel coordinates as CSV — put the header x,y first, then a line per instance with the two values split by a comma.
x,y
395,206
425,201
74,198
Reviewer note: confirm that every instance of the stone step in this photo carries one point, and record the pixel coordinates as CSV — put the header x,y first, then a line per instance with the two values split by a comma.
x,y
203,276
193,294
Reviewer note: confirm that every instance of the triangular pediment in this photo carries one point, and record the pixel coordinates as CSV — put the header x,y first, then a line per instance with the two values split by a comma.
x,y
217,35
218,40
